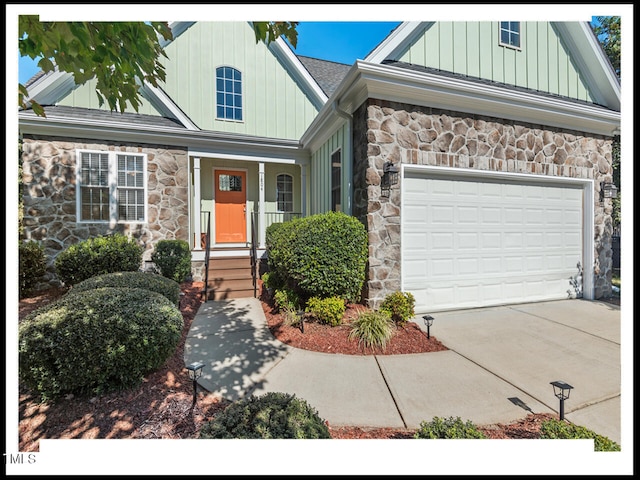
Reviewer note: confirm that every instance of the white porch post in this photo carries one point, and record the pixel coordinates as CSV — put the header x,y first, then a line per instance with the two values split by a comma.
x,y
303,189
261,213
197,201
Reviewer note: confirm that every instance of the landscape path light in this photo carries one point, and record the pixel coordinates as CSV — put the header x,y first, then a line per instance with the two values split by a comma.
x,y
195,372
561,390
428,321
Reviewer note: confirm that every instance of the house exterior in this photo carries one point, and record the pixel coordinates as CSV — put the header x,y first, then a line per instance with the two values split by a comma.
x,y
473,152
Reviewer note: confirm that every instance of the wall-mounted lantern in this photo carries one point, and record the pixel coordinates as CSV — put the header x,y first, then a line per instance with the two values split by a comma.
x,y
389,178
608,190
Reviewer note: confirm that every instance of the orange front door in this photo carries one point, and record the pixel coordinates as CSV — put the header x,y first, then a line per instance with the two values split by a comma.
x,y
231,201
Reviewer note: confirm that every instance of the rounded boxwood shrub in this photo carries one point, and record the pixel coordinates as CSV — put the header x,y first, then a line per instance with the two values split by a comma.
x,y
150,281
97,341
565,430
32,265
399,306
372,328
327,310
95,256
448,428
272,415
322,255
173,259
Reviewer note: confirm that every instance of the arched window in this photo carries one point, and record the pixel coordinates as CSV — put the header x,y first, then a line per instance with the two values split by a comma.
x,y
284,192
228,94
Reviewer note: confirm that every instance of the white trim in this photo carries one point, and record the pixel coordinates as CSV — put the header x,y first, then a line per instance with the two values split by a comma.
x,y
588,218
397,41
197,196
508,45
163,103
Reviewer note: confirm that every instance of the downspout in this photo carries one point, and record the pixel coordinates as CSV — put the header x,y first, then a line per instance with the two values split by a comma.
x,y
348,154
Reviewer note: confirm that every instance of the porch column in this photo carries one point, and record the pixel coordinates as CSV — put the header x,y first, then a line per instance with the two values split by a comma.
x,y
262,235
303,190
197,201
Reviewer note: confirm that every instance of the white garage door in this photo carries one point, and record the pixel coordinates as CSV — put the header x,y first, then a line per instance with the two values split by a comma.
x,y
474,243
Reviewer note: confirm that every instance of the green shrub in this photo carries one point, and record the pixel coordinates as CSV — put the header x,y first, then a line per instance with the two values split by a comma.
x,y
373,329
448,428
399,306
561,429
322,255
327,310
95,256
286,299
272,415
151,281
32,267
97,341
173,259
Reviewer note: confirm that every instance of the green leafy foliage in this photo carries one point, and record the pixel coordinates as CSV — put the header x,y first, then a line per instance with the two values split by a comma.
x,y
607,29
270,31
150,281
173,258
97,341
372,329
399,306
96,256
272,415
286,299
32,265
327,310
440,428
322,255
562,429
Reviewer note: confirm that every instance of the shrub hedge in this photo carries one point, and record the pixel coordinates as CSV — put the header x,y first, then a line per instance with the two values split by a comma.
x,y
322,255
272,415
32,265
327,310
450,427
150,281
565,430
399,306
98,255
173,259
97,341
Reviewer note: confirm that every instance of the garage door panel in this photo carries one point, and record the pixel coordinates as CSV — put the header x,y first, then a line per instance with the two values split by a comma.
x,y
479,243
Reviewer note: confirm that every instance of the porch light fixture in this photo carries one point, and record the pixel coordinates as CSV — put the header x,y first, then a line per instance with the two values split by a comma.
x,y
428,321
561,390
195,372
389,178
608,190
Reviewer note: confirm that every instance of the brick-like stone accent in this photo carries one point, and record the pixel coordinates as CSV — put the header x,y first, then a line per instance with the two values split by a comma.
x,y
49,196
389,131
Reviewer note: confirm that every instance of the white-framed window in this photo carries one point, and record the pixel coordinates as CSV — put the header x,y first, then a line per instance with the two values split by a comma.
x,y
112,187
228,94
510,34
284,192
336,181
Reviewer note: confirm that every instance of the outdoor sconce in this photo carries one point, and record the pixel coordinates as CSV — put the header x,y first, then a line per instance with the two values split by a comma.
x,y
608,190
195,372
389,178
561,390
428,321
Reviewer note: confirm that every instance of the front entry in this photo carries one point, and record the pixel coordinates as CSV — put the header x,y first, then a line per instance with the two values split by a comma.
x,y
231,206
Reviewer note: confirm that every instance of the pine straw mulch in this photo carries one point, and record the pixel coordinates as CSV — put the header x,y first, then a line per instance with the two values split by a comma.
x,y
161,407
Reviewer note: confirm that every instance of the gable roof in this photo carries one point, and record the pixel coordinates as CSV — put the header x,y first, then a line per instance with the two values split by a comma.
x,y
581,42
328,74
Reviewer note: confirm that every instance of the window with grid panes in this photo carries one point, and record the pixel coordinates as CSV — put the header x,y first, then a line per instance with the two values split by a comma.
x,y
228,94
284,192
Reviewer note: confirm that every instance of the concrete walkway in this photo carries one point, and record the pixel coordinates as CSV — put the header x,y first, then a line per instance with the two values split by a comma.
x,y
498,368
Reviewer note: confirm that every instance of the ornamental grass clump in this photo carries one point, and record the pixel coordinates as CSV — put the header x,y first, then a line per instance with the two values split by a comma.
x,y
440,428
372,329
93,342
272,415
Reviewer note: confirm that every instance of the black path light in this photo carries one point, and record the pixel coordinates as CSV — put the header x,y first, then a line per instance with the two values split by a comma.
x,y
561,390
428,321
300,314
195,372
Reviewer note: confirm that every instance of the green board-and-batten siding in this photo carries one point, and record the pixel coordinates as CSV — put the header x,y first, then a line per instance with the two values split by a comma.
x,y
473,49
321,172
274,105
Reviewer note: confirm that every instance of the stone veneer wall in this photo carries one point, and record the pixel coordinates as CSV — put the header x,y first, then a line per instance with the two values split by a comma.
x,y
389,131
49,195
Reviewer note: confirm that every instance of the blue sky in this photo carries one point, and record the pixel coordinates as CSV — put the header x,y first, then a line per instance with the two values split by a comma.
x,y
342,42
